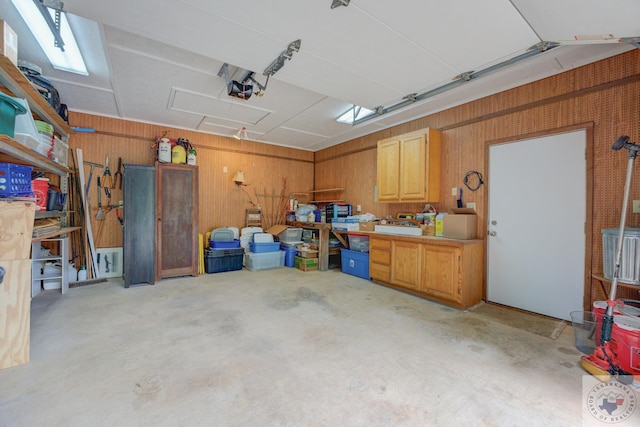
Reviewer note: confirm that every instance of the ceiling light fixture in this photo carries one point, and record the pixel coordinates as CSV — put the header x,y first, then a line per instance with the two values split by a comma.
x,y
49,25
337,3
278,63
241,134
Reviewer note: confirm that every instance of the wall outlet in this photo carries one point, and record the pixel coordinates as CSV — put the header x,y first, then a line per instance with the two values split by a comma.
x,y
358,208
454,191
225,169
636,206
471,205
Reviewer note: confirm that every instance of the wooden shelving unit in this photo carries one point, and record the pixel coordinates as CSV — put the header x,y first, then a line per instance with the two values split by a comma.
x,y
326,190
15,152
18,298
13,79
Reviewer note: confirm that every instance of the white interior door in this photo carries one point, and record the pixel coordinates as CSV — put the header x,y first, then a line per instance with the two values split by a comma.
x,y
536,242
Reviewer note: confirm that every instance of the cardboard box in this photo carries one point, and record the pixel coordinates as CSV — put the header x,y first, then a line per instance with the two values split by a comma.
x,y
277,229
306,264
346,224
307,253
368,226
9,45
461,223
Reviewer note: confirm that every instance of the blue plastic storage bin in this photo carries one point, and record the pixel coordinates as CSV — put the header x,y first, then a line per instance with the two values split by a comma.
x,y
220,260
355,263
264,247
289,256
221,244
15,180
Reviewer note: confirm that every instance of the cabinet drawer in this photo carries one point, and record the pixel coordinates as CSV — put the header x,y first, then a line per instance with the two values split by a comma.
x,y
380,256
381,244
379,271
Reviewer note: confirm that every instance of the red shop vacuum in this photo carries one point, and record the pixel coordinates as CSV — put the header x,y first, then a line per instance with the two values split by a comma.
x,y
617,354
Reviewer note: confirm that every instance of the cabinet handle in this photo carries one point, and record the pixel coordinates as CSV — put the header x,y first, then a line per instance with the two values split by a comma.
x,y
492,233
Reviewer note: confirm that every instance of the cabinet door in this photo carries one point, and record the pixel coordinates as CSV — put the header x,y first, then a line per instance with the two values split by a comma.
x,y
413,168
379,259
441,272
388,175
139,238
406,264
177,220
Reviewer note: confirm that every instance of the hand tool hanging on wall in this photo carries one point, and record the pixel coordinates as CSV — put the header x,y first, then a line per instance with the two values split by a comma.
x,y
100,214
117,177
86,191
106,176
107,193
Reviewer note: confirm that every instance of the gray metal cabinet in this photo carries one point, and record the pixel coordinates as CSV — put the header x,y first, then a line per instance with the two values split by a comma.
x,y
139,239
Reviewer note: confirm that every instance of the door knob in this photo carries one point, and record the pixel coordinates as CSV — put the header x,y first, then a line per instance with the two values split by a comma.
x,y
492,233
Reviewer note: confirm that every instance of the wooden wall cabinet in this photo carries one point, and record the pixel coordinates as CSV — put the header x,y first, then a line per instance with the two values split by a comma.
x,y
177,247
409,167
446,270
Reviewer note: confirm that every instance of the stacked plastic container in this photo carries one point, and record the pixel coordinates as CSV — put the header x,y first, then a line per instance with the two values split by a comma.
x,y
264,253
289,241
355,260
46,139
224,252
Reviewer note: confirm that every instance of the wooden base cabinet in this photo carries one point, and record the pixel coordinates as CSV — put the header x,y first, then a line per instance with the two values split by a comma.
x,y
445,270
379,259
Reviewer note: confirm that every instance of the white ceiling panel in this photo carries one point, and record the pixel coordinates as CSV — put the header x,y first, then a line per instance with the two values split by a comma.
x,y
157,61
192,102
294,138
564,20
464,34
337,82
89,99
227,128
321,118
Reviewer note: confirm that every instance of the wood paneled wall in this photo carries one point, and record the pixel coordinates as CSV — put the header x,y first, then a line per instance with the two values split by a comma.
x,y
267,168
605,95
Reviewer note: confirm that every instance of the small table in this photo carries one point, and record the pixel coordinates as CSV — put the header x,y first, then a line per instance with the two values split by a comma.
x,y
324,230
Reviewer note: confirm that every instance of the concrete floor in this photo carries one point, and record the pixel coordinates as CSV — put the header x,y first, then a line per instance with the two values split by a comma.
x,y
281,348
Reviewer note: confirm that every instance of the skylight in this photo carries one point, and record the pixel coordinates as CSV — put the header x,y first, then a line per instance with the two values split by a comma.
x,y
354,113
68,60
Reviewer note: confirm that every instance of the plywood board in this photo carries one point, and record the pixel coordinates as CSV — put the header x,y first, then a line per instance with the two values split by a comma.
x,y
15,313
16,226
